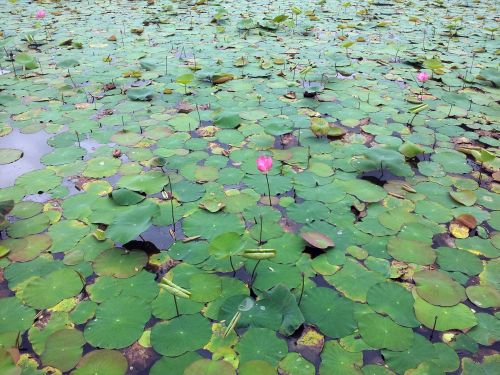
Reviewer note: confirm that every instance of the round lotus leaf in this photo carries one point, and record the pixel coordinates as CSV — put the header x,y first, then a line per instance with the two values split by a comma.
x,y
364,190
185,191
411,251
26,209
455,317
261,344
191,252
63,349
14,316
102,167
256,367
151,182
295,364
270,274
307,211
317,239
164,306
227,244
9,155
38,181
438,288
63,155
120,262
118,322
343,280
204,287
478,246
210,225
181,335
209,367
27,248
47,291
26,227
465,197
141,285
227,120
126,197
382,333
102,362
394,300
330,312
277,184
336,360
450,259
487,331
483,296
400,361
84,311
130,223
126,138
490,365
175,365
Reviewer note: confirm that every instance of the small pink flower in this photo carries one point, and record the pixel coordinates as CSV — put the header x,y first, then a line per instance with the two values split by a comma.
x,y
264,163
117,153
40,14
423,77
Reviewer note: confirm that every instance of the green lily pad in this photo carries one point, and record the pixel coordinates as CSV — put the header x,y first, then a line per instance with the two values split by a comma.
x,y
454,317
411,251
102,362
483,296
47,291
9,155
120,263
209,367
331,313
382,333
261,344
63,349
118,322
438,288
180,335
393,300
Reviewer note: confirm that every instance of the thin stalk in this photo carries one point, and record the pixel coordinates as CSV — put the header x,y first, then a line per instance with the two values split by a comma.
x,y
433,328
232,265
253,272
171,203
260,234
268,190
176,306
301,289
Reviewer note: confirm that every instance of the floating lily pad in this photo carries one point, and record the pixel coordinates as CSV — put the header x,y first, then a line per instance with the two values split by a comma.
x,y
102,362
118,322
180,335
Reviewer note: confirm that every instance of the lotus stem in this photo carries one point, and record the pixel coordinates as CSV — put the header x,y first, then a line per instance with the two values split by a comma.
x,y
253,272
176,306
260,234
433,328
232,265
301,289
171,204
269,190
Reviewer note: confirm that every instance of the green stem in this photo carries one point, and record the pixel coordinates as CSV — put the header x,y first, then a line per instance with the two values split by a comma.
x,y
268,190
253,272
176,307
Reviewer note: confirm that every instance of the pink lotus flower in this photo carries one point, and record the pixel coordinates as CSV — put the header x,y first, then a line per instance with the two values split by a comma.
x,y
423,77
117,153
40,14
264,163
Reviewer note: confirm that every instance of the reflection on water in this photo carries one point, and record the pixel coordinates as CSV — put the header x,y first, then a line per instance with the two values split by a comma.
x,y
34,146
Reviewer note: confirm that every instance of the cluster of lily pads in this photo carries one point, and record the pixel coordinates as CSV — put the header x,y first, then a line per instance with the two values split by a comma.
x,y
363,241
